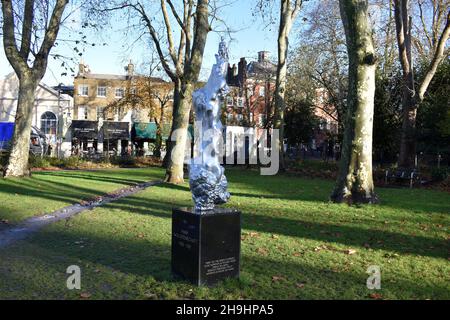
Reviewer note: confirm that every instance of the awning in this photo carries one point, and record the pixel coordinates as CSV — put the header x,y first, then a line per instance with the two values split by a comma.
x,y
144,131
116,130
148,131
84,129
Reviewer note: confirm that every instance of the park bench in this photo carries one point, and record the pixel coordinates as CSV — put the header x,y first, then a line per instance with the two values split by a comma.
x,y
402,174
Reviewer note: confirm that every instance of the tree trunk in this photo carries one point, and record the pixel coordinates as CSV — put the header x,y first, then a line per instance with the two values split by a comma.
x,y
17,165
409,107
408,135
175,108
412,97
355,183
174,172
280,83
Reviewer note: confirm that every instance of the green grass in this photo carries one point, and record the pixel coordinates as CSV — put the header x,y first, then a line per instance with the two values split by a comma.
x,y
45,192
294,246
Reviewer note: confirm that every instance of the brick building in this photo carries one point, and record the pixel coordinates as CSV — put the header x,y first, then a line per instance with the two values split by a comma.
x,y
106,108
252,85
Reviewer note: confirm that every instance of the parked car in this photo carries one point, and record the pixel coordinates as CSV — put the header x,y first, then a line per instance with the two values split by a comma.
x,y
38,140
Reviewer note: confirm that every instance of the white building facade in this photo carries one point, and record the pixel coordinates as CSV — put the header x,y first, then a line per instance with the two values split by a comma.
x,y
52,112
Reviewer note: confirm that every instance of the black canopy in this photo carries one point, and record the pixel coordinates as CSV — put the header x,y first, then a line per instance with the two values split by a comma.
x,y
84,129
116,130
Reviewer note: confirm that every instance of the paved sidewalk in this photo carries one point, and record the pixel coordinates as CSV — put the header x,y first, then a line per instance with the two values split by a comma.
x,y
18,232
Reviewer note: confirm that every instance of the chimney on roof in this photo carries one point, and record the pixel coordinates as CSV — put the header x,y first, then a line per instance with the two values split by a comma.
x,y
82,68
130,69
263,56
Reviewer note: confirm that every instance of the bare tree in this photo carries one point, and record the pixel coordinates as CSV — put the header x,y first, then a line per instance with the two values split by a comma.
x,y
29,33
355,183
181,60
436,41
288,13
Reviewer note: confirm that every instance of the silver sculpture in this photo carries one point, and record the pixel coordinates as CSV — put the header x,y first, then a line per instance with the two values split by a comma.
x,y
206,176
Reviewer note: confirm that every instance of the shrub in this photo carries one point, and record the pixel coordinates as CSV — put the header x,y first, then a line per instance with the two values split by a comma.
x,y
439,174
38,162
123,161
3,159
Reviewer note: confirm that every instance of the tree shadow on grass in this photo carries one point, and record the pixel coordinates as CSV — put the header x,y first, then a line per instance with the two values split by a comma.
x,y
348,235
141,257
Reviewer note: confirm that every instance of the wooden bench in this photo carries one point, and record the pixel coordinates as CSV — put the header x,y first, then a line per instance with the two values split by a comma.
x,y
401,174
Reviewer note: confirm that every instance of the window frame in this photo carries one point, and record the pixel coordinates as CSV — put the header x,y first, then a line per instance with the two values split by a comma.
x,y
122,90
54,122
81,91
98,91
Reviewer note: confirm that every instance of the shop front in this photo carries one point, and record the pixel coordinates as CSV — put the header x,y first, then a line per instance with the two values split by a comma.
x,y
84,137
116,137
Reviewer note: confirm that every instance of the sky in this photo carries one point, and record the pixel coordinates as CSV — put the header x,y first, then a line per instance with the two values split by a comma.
x,y
250,37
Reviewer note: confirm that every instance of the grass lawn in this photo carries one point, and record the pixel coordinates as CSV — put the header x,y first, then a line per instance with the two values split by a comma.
x,y
45,192
295,245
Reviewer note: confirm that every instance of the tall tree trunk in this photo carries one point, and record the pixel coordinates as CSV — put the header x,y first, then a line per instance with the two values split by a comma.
x,y
411,97
280,82
29,76
288,13
409,107
174,172
408,134
355,183
175,108
17,165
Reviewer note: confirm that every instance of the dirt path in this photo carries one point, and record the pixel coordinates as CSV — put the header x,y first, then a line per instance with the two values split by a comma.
x,y
9,235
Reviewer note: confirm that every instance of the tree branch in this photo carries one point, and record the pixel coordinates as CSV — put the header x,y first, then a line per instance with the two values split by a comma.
x,y
437,58
27,28
9,41
40,64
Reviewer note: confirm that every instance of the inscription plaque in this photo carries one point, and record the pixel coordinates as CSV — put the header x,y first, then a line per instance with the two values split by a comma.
x,y
206,247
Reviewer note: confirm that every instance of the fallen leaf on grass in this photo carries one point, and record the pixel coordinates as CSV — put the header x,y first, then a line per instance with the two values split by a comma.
x,y
375,296
262,251
277,278
274,236
300,285
85,295
350,251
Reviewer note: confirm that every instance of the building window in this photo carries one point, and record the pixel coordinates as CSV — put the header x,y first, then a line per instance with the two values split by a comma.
x,y
119,93
133,90
262,91
48,123
101,92
239,117
229,117
100,113
83,90
82,113
250,116
229,101
240,102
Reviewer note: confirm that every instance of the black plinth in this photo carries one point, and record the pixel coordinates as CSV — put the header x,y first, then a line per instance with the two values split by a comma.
x,y
206,247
